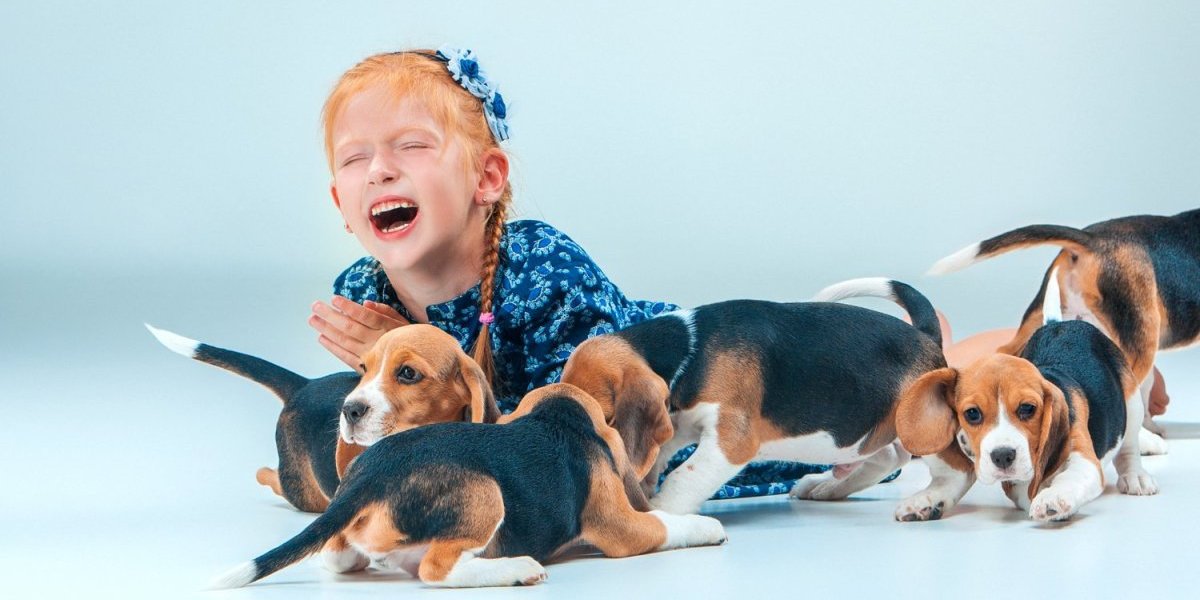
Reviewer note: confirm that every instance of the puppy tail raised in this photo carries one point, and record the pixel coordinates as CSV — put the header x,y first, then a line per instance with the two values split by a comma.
x,y
919,308
1052,300
307,542
279,380
1069,238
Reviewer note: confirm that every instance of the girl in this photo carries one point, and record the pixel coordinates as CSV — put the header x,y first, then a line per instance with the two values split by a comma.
x,y
412,139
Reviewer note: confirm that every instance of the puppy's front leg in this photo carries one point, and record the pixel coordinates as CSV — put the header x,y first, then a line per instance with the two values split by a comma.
x,y
952,475
1078,483
694,481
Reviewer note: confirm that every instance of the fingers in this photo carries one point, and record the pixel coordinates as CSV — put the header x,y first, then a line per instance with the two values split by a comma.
x,y
387,313
343,324
352,360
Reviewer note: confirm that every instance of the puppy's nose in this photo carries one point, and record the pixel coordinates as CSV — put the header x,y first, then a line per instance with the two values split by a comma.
x,y
1004,457
354,412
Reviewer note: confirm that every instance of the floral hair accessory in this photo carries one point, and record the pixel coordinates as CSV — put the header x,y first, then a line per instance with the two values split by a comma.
x,y
465,69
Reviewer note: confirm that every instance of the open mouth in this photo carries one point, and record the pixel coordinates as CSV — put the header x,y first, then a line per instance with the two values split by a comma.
x,y
393,215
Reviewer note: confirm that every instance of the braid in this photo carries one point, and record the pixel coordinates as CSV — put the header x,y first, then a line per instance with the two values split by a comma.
x,y
493,230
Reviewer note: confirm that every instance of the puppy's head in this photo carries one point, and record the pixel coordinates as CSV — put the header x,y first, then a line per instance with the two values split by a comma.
x,y
415,375
1000,410
631,396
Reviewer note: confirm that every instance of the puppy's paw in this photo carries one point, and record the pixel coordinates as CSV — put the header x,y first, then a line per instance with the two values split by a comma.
x,y
348,560
1150,443
1137,483
1052,504
705,531
923,506
818,487
524,570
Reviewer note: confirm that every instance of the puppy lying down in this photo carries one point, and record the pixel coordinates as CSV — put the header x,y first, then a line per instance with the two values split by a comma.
x,y
469,505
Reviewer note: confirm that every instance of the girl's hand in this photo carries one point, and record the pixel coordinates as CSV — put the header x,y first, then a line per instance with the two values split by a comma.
x,y
348,330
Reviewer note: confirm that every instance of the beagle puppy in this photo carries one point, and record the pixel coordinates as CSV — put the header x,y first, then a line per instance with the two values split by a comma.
x,y
1136,278
1045,423
469,505
311,456
815,382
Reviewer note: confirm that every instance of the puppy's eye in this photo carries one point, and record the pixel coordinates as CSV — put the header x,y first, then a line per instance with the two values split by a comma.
x,y
407,374
973,416
1025,411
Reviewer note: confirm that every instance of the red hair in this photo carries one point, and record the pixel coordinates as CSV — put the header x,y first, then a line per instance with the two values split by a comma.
x,y
417,74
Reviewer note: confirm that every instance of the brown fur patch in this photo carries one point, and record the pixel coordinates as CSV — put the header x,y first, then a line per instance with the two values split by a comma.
x,y
270,478
374,529
344,454
733,381
611,524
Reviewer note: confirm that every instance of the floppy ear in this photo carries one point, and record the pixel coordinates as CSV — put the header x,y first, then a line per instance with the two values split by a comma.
x,y
1052,439
481,407
925,421
640,416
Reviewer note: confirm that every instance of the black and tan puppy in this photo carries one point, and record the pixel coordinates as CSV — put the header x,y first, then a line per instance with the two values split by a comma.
x,y
467,505
1044,423
1136,278
447,386
814,382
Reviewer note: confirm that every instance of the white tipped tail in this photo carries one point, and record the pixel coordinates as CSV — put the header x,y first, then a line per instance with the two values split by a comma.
x,y
235,577
174,342
957,261
876,287
1052,302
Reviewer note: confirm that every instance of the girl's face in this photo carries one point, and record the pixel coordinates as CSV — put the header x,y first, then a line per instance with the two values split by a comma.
x,y
403,184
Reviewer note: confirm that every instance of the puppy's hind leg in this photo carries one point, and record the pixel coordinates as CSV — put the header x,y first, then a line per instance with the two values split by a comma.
x,y
827,486
611,524
1132,478
952,475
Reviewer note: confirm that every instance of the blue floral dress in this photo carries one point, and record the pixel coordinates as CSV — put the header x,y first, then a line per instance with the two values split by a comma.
x,y
550,297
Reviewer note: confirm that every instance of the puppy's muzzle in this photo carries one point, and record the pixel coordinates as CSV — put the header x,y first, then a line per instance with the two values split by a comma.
x,y
354,412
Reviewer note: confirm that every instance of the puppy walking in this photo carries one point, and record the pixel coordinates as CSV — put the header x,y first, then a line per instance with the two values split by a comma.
x,y
1044,423
469,505
813,382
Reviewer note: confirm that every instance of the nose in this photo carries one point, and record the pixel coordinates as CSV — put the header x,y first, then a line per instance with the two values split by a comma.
x,y
354,412
382,171
1004,457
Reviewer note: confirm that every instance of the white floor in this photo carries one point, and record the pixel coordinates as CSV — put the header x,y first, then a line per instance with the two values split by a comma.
x,y
145,489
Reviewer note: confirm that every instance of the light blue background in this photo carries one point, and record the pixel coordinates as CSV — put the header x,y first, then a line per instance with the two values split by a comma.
x,y
162,162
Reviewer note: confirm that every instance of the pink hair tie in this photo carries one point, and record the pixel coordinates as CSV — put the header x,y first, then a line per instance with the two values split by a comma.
x,y
487,318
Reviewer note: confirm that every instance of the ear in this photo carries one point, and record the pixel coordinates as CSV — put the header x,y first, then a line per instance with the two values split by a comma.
x,y
640,416
493,176
333,192
1052,439
925,421
481,404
